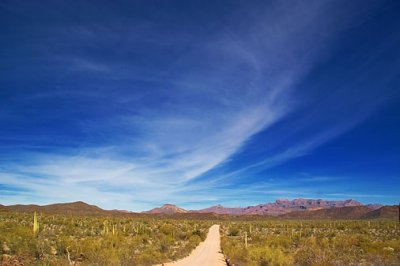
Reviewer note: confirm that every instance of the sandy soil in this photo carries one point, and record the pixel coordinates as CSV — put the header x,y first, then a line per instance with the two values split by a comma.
x,y
207,253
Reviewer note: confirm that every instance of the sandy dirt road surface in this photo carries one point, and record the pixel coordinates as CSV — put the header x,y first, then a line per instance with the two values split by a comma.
x,y
207,253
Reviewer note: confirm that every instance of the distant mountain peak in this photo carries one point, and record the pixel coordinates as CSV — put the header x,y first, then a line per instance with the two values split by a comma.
x,y
77,207
167,209
168,205
217,206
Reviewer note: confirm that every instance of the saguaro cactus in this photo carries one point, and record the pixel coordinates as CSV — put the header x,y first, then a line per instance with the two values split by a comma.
x,y
245,239
105,228
35,224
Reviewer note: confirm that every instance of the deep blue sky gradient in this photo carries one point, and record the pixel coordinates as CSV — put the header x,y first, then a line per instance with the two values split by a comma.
x,y
132,104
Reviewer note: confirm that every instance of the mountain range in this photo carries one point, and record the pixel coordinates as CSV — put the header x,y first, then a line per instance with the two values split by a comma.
x,y
277,208
78,208
282,208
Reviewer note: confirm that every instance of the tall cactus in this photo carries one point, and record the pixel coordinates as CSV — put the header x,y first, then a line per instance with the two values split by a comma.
x,y
35,224
245,239
136,229
105,228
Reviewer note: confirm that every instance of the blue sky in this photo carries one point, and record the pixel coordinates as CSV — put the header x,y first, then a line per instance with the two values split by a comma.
x,y
132,104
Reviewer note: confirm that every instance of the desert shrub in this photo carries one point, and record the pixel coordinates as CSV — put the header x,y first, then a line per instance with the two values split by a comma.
x,y
266,255
92,240
280,242
234,231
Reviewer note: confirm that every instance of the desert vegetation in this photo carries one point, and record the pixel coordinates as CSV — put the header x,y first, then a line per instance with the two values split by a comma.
x,y
285,242
43,239
29,238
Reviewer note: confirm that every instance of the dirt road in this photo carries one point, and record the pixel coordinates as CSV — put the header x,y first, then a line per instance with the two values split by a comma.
x,y
207,253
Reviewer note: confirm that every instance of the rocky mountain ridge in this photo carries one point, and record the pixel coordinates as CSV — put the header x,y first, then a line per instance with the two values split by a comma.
x,y
287,209
283,206
279,207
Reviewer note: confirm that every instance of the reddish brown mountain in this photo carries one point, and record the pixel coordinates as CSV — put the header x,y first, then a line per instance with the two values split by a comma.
x,y
167,209
3,208
374,206
219,209
282,206
388,212
350,212
79,207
